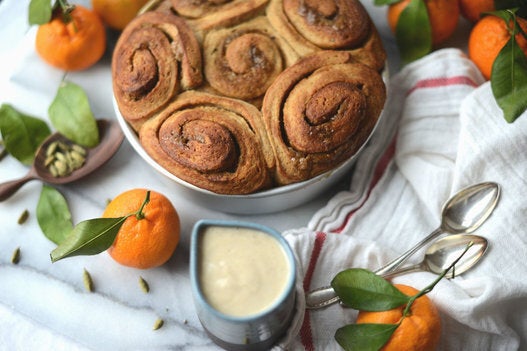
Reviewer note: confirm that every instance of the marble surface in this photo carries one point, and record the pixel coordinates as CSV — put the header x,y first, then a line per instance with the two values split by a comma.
x,y
44,305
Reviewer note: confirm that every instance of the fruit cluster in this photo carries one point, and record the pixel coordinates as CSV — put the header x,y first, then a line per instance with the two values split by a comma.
x,y
421,26
497,42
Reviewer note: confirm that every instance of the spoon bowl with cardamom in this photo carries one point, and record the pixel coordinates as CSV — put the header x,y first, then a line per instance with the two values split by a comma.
x,y
60,161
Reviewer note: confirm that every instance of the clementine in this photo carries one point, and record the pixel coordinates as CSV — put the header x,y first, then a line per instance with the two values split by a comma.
x,y
443,15
117,13
472,9
418,331
488,37
147,240
74,45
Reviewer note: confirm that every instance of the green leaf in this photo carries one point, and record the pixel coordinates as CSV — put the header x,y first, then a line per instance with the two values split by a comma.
x,y
53,215
413,32
40,12
364,337
509,80
362,289
521,5
89,237
385,2
507,15
22,134
71,115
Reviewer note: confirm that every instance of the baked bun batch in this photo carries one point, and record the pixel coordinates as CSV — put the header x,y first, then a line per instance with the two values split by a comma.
x,y
240,96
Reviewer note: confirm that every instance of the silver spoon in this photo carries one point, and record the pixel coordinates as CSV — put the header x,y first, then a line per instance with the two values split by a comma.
x,y
111,137
438,257
464,212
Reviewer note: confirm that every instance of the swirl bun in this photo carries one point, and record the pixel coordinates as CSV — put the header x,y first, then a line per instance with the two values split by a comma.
x,y
207,14
319,112
156,56
313,25
243,61
215,143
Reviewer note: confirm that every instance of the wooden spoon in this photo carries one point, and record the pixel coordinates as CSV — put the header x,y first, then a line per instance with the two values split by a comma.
x,y
111,137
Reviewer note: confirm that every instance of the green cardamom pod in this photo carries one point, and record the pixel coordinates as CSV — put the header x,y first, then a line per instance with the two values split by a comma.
x,y
15,257
88,281
158,324
144,285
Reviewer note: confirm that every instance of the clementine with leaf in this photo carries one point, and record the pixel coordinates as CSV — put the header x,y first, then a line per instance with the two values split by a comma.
x,y
488,37
72,41
148,239
420,330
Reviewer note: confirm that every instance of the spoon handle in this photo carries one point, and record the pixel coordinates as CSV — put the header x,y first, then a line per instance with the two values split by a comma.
x,y
403,270
9,188
325,296
321,297
401,259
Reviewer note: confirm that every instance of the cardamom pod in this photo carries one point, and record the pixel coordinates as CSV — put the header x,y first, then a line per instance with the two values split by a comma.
x,y
144,285
53,170
52,148
23,217
15,257
79,149
62,167
158,324
88,281
77,156
60,156
49,160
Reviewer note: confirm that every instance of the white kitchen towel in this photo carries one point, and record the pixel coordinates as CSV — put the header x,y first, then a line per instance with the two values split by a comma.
x,y
441,131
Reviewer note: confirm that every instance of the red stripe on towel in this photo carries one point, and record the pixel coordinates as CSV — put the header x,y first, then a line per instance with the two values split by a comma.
x,y
382,164
442,82
306,335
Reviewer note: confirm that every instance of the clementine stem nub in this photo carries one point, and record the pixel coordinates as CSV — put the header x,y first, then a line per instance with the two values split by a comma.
x,y
65,9
140,214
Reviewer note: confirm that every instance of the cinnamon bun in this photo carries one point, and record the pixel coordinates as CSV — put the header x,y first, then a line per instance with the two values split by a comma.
x,y
207,14
244,60
156,56
312,25
212,142
319,112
